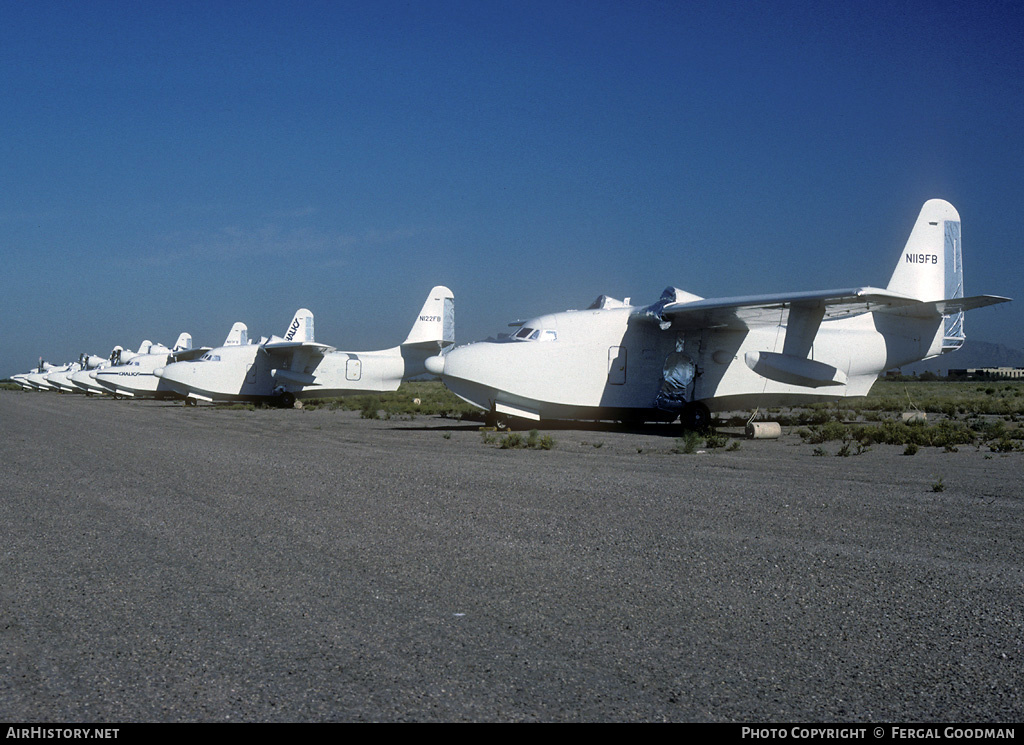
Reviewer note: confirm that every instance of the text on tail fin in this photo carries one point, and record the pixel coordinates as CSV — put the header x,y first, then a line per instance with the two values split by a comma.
x,y
238,336
931,265
436,320
301,327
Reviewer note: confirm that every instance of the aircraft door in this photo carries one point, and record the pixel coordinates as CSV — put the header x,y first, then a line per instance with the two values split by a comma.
x,y
616,365
353,368
250,374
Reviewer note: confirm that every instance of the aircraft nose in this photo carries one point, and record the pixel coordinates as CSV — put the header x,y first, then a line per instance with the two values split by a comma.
x,y
434,365
463,363
176,373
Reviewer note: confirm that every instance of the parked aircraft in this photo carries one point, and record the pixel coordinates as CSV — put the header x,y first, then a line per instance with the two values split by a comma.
x,y
84,377
35,379
22,380
135,378
687,356
60,380
282,369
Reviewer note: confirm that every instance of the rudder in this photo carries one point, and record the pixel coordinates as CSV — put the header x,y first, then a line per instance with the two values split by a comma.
x,y
238,336
435,323
931,266
301,327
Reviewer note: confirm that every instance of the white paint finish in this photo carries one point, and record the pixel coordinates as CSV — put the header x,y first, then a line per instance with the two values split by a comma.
x,y
752,350
296,365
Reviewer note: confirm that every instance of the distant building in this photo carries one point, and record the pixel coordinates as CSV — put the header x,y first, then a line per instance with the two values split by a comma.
x,y
987,373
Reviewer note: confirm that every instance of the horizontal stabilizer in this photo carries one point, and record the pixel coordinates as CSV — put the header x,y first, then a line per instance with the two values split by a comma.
x,y
946,307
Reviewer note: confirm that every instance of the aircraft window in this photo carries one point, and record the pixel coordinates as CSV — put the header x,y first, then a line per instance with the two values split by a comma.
x,y
528,334
210,357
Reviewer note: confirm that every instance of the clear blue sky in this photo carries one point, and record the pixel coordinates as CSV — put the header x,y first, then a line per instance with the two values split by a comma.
x,y
178,166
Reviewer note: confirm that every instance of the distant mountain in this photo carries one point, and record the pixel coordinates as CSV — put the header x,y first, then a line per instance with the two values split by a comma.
x,y
971,354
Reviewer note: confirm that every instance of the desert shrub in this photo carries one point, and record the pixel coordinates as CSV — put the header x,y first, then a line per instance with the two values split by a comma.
x,y
828,432
516,441
687,444
715,440
369,407
1003,445
511,440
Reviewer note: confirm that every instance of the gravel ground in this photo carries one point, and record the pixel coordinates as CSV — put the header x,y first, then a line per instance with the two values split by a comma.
x,y
163,563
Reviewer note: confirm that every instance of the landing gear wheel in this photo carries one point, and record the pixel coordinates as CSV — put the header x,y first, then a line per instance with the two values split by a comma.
x,y
190,402
286,400
695,416
500,422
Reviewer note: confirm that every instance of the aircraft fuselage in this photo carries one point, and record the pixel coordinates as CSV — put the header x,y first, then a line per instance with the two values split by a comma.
x,y
610,364
253,373
136,378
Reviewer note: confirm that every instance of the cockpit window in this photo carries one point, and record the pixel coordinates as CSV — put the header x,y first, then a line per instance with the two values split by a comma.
x,y
528,334
210,357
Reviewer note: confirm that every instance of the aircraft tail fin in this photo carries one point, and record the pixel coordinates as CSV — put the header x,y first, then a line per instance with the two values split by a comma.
x,y
301,327
184,342
435,324
238,336
931,265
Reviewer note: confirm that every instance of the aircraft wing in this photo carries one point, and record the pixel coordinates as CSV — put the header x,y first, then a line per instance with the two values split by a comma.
x,y
184,355
744,312
294,346
801,313
294,361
